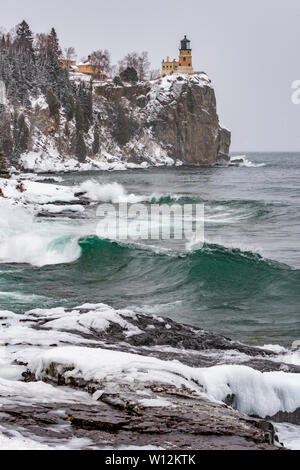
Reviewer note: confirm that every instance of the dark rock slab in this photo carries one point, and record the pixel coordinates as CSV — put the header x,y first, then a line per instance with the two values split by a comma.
x,y
192,424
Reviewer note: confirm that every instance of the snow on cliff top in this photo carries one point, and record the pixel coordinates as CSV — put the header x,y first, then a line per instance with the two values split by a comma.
x,y
200,79
167,89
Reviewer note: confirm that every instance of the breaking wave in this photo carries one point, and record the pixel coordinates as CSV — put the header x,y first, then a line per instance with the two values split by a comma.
x,y
242,161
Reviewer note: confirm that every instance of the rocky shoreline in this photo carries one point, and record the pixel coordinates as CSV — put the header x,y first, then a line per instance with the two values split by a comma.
x,y
113,379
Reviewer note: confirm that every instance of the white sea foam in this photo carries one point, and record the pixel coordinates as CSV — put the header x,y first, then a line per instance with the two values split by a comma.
x,y
38,249
242,161
21,296
289,435
24,240
110,192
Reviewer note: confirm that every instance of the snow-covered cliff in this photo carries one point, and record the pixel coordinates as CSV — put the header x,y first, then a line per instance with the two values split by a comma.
x,y
162,122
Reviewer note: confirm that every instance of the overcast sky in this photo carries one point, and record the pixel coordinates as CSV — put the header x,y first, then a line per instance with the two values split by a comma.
x,y
249,48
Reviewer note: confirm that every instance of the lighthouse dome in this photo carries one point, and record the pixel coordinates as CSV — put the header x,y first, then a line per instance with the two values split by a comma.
x,y
185,44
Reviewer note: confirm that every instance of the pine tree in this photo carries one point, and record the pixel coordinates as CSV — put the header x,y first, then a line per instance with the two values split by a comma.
x,y
68,104
53,43
23,134
129,75
5,132
86,102
120,126
96,141
79,117
53,103
80,148
21,137
117,80
67,129
25,37
4,173
3,42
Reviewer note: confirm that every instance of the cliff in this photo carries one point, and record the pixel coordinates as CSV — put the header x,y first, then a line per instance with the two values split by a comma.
x,y
187,123
178,113
161,122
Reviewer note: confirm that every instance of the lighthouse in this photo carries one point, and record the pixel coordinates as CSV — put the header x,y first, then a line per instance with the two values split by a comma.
x,y
184,64
185,56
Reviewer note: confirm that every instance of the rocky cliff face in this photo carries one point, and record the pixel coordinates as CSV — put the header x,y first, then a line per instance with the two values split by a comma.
x,y
189,124
177,114
168,120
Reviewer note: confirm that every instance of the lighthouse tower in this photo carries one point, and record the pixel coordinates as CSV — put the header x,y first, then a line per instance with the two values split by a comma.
x,y
185,57
183,64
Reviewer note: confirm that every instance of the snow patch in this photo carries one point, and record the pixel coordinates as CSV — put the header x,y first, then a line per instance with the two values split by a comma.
x,y
254,392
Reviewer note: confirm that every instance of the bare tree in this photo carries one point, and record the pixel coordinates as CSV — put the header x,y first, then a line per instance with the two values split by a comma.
x,y
101,61
140,62
130,60
40,42
69,55
143,66
114,70
154,74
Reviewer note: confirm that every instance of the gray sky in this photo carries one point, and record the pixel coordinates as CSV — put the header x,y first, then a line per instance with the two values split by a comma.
x,y
249,48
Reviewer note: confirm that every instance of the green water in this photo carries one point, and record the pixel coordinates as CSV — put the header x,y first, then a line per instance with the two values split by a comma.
x,y
244,282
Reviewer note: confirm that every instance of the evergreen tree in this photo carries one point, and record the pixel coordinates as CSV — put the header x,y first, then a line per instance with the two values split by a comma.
x,y
80,148
117,80
96,141
120,126
21,137
86,102
54,106
23,134
5,132
53,43
53,103
25,37
68,103
3,42
67,130
79,117
4,173
129,75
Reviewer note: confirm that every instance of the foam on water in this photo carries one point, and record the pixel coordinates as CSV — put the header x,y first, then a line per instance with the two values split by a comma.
x,y
20,296
289,435
24,240
111,192
242,161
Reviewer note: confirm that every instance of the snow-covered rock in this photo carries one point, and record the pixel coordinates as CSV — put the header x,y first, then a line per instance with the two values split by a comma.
x,y
162,122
